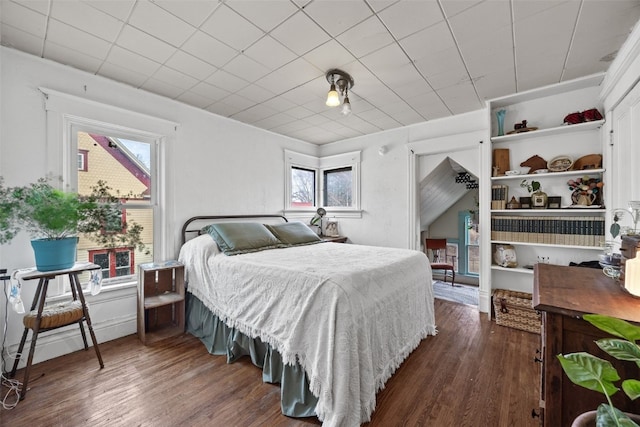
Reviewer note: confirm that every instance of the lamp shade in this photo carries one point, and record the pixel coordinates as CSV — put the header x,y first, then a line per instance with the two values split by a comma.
x,y
346,106
333,99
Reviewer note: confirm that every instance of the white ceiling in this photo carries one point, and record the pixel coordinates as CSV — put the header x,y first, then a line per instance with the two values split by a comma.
x,y
263,62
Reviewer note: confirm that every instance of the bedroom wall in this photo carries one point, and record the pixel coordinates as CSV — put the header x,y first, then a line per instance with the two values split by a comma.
x,y
219,166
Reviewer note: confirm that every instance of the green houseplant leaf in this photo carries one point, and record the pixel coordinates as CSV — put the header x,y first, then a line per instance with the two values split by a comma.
x,y
616,327
590,372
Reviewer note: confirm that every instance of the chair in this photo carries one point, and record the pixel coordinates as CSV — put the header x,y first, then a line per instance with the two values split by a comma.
x,y
439,261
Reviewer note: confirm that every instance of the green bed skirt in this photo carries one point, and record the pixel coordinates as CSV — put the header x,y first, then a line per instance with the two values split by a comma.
x,y
219,339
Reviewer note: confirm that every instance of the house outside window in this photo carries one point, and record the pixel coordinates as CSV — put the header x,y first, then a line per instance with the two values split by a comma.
x,y
82,160
331,182
114,263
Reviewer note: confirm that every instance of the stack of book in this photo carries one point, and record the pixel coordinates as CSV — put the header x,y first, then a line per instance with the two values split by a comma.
x,y
499,196
555,230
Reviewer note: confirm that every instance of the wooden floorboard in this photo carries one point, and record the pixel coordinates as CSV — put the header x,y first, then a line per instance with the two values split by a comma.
x,y
473,373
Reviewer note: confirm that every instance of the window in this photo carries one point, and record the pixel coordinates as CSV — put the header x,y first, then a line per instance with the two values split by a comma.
x,y
303,187
330,182
82,160
469,260
114,263
337,187
125,163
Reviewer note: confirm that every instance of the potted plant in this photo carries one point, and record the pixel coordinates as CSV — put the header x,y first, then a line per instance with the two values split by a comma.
x,y
55,218
538,197
597,374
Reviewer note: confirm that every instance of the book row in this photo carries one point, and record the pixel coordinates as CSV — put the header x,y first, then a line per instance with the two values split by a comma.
x,y
578,231
499,195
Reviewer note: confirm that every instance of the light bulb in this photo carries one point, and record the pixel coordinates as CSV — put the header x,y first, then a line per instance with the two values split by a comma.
x,y
333,99
346,106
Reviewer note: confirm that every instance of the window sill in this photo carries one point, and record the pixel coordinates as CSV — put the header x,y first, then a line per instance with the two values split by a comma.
x,y
106,293
331,213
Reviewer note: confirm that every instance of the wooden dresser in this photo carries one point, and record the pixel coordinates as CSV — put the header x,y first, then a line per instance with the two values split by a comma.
x,y
562,295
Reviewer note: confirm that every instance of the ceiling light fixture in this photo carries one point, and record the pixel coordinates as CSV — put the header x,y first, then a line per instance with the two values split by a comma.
x,y
341,82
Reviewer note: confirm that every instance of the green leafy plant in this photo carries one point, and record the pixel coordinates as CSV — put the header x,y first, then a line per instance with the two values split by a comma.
x,y
47,212
597,374
531,187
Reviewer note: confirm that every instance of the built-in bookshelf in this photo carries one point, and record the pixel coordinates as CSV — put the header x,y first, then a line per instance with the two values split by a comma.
x,y
567,233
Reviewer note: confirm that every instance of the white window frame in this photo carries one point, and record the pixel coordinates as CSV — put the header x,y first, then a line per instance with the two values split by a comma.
x,y
320,165
68,114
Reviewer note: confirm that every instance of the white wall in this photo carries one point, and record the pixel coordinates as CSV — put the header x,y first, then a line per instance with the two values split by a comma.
x,y
219,166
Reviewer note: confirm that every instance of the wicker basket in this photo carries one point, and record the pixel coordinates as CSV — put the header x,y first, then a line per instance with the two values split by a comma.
x,y
514,309
56,315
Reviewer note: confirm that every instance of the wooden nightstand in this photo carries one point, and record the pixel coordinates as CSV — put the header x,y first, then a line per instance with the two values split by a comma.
x,y
335,239
160,300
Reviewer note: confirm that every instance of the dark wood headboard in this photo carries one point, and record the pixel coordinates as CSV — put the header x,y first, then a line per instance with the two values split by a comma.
x,y
189,228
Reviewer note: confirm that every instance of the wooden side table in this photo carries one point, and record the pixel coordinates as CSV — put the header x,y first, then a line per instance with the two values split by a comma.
x,y
160,300
56,316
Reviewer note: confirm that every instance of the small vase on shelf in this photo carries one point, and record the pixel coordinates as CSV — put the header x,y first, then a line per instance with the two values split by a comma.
x,y
500,116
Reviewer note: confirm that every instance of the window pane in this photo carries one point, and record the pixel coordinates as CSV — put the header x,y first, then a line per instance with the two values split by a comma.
x,y
303,187
123,263
103,261
125,166
337,187
473,259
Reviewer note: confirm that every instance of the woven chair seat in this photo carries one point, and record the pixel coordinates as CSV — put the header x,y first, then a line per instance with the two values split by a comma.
x,y
55,315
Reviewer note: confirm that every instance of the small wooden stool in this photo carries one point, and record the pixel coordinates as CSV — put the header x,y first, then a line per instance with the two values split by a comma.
x,y
55,316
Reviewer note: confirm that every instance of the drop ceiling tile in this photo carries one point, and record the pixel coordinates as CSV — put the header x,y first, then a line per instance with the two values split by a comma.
x,y
123,75
66,35
454,7
175,78
423,44
238,102
255,93
412,87
222,109
190,65
254,114
496,84
159,23
444,69
494,15
145,45
379,5
528,9
209,91
274,121
161,88
291,75
300,34
493,53
270,53
429,105
299,112
407,17
120,9
337,16
25,42
132,61
530,75
279,103
558,23
195,100
305,93
264,14
408,117
329,55
226,81
86,18
71,57
246,68
23,18
193,12
208,49
385,61
366,37
229,27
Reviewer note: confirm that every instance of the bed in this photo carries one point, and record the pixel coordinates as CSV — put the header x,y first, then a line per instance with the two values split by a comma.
x,y
330,322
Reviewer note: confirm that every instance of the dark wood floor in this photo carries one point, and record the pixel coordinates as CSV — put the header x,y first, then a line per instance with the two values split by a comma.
x,y
473,373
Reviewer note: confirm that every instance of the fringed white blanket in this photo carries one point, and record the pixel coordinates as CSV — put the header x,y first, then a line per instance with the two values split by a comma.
x,y
349,314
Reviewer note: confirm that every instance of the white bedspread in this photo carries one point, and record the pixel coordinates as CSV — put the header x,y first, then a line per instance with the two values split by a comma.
x,y
349,314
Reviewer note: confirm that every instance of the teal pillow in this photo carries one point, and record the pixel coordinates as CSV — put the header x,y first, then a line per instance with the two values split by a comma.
x,y
235,238
294,233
